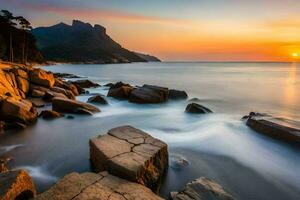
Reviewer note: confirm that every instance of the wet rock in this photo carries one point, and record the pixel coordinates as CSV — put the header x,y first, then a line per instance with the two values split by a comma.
x,y
3,164
70,117
66,85
41,77
117,85
275,128
2,126
122,92
131,154
50,114
71,106
109,85
149,94
65,75
37,93
98,99
85,84
37,102
202,189
194,100
16,185
87,186
178,162
22,111
197,109
177,94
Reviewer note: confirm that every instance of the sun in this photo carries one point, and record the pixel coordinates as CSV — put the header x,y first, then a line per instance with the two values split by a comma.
x,y
295,55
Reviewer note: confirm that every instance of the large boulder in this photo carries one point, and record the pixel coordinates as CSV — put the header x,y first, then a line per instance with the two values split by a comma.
x,y
274,127
202,189
177,94
18,110
41,77
131,154
66,92
195,108
88,186
98,99
16,185
72,106
8,85
122,92
149,94
66,85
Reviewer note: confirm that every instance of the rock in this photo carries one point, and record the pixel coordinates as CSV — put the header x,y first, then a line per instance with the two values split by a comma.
x,y
71,106
15,125
37,102
66,85
49,95
177,94
66,92
88,186
178,162
85,83
18,110
65,75
2,126
41,77
149,94
70,117
122,92
3,164
37,93
98,99
50,114
202,189
83,111
194,100
8,85
16,185
23,84
131,154
117,85
275,128
109,85
197,109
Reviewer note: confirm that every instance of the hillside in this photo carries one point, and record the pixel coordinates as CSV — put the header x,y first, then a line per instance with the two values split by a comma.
x,y
81,43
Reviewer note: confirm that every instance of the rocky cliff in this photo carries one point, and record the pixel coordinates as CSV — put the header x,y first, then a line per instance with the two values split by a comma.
x,y
81,42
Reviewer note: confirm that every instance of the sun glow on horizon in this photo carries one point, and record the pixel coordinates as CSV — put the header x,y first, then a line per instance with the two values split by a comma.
x,y
295,55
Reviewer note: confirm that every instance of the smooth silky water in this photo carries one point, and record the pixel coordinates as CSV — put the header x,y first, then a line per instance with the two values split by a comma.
x,y
218,145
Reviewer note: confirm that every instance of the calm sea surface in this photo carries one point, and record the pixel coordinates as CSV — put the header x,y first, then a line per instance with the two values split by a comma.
x,y
219,145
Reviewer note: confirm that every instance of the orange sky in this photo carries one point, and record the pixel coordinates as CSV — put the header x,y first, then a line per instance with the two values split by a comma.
x,y
265,30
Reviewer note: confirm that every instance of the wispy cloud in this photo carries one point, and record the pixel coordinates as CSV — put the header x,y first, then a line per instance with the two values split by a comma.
x,y
96,13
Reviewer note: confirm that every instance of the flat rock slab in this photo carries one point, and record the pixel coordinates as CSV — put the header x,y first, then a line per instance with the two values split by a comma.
x,y
274,127
131,154
91,186
16,185
202,189
72,106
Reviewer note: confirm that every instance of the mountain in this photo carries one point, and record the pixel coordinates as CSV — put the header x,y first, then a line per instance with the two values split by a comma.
x,y
147,57
81,42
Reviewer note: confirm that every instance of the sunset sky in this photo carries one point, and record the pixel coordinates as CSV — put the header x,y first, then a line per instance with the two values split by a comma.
x,y
183,30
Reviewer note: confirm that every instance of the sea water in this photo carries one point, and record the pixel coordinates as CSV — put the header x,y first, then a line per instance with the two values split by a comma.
x,y
218,145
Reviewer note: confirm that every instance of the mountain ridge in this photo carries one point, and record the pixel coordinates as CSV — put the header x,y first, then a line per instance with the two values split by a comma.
x,y
82,43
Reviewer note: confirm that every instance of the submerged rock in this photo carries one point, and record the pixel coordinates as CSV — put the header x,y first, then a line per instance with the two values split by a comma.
x,y
85,83
50,114
202,189
88,186
72,106
15,185
177,94
149,94
195,108
275,128
98,99
131,154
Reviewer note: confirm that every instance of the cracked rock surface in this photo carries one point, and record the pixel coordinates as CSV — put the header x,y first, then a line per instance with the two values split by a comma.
x,y
202,189
102,186
131,154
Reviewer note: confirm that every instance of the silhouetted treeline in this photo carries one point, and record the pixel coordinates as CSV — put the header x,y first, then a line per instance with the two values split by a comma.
x,y
17,44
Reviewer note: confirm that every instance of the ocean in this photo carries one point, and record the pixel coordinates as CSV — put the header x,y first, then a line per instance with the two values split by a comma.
x,y
218,145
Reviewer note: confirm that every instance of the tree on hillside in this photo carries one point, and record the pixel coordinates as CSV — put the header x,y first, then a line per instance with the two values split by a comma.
x,y
9,19
26,26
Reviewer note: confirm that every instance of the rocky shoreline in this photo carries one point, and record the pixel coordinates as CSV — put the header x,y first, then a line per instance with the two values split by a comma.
x,y
128,163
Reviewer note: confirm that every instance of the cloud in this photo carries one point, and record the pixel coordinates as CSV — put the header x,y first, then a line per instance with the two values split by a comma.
x,y
94,13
